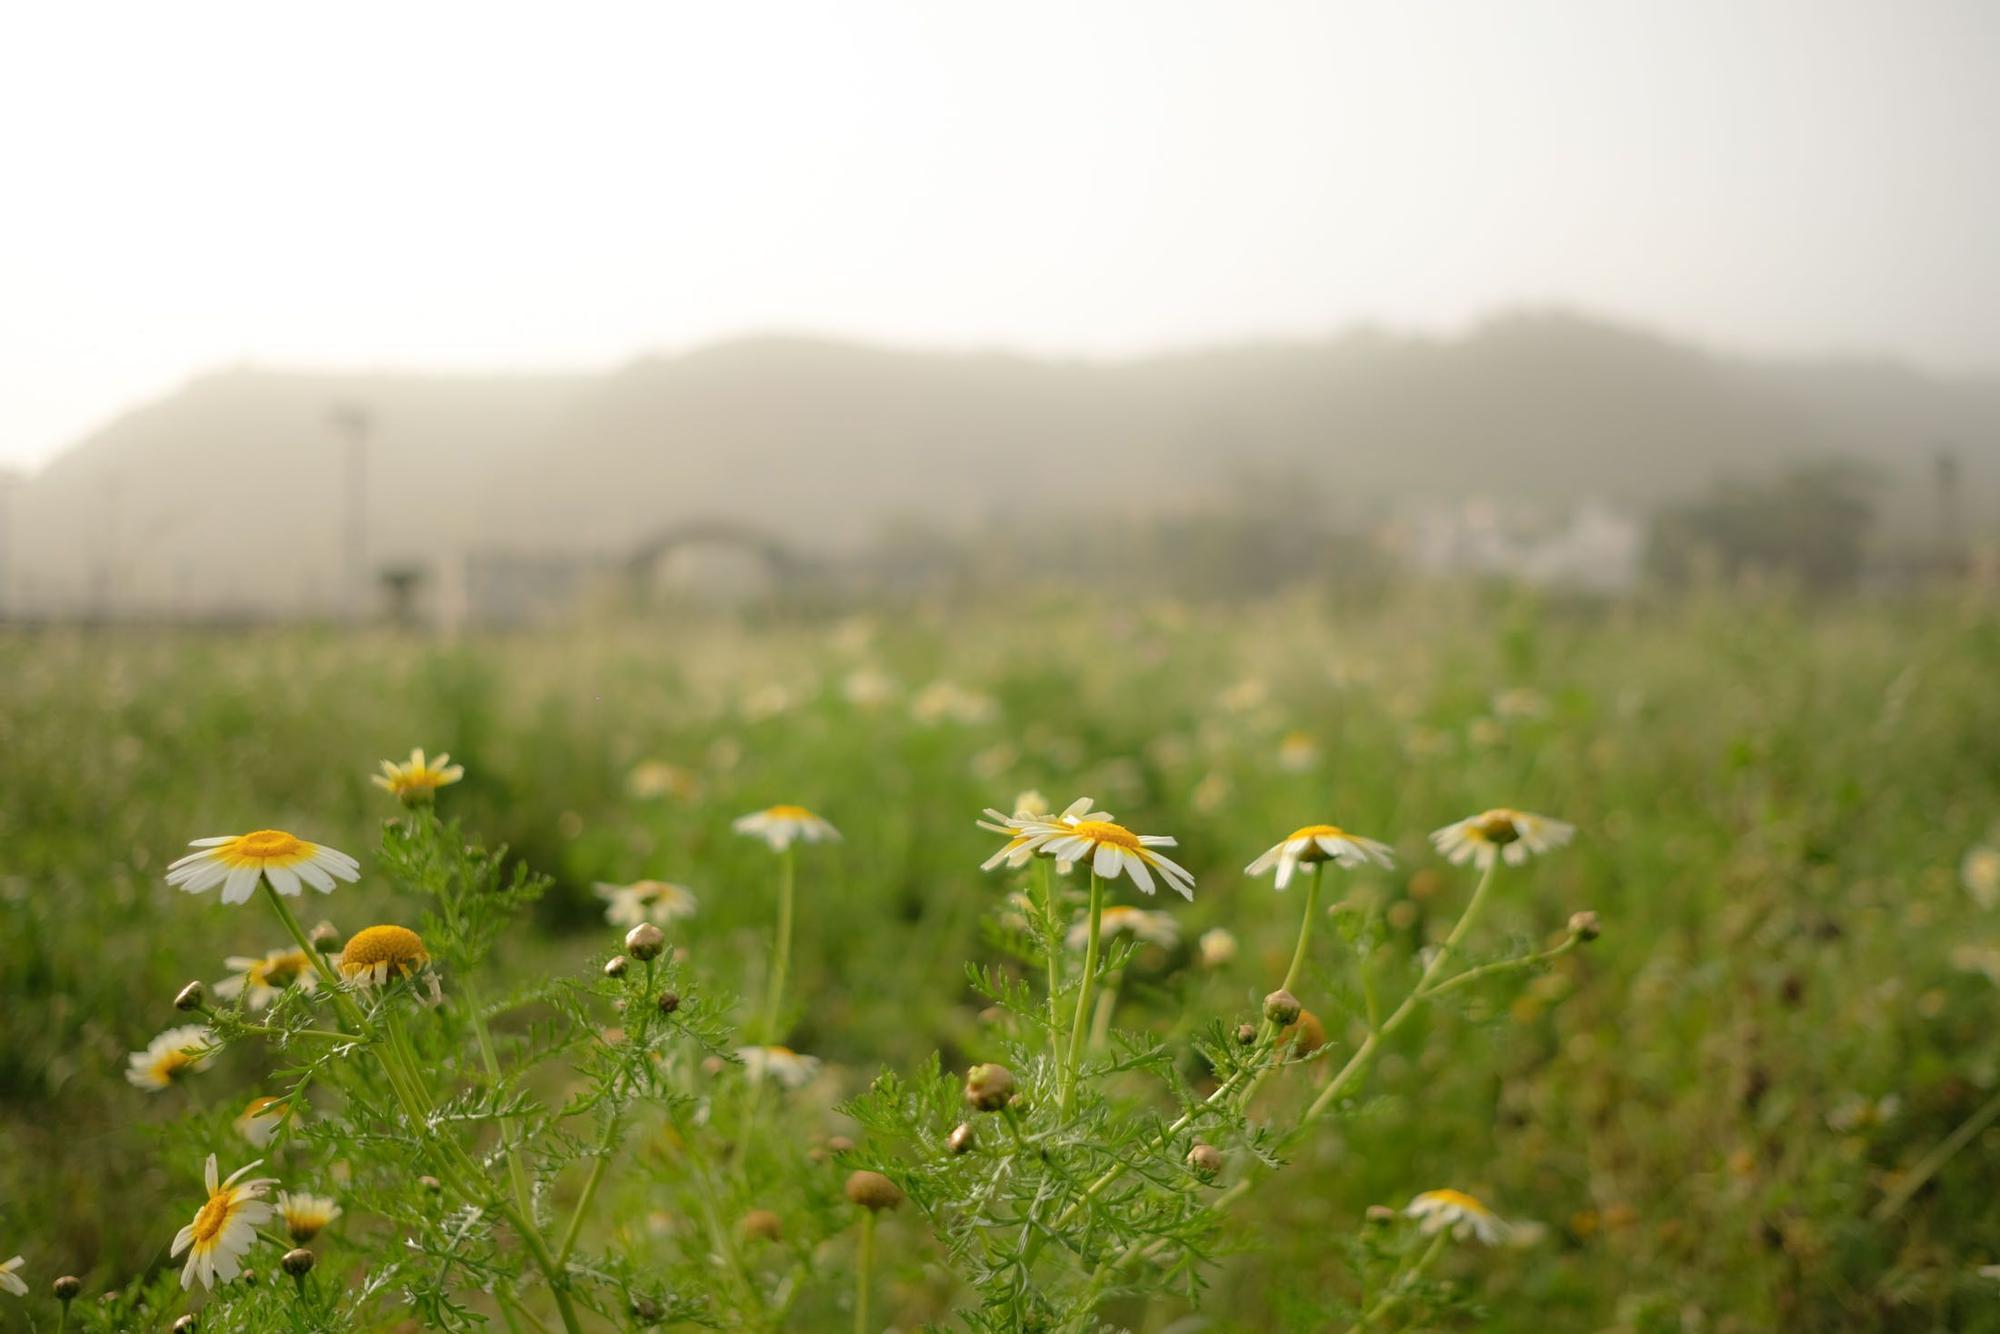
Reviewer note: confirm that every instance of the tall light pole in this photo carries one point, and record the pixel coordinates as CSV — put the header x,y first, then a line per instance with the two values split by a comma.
x,y
354,423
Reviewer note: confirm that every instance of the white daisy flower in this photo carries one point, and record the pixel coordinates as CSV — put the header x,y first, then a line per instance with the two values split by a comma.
x,y
1029,827
1218,947
1317,843
173,1054
1505,833
11,1281
645,901
780,1063
419,779
259,1121
1154,928
781,826
375,955
1454,1209
238,861
305,1216
1112,849
225,1228
261,981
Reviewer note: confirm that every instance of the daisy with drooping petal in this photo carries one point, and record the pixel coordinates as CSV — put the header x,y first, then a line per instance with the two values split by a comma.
x,y
418,779
645,901
1027,829
306,1216
781,826
170,1056
1465,1216
1317,843
11,1281
780,1063
1501,833
1154,928
375,955
225,1228
1113,850
238,861
259,1121
261,981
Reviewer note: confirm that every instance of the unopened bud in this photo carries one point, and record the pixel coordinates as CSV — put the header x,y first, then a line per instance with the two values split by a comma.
x,y
298,1262
1281,1007
191,997
761,1225
1205,1159
989,1087
647,1311
1246,1033
431,1184
615,966
248,1276
960,1140
185,1325
669,1002
1380,1215
1584,925
873,1191
326,938
67,1287
645,941
839,1144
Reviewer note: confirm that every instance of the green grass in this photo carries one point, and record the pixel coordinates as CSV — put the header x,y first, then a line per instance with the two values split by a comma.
x,y
1772,803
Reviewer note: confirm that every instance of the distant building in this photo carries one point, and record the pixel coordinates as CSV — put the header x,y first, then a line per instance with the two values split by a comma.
x,y
1594,547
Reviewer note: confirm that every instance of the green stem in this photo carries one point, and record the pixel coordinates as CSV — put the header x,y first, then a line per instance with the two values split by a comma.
x,y
590,1183
781,947
1393,1297
1305,933
1083,995
864,1271
1052,946
1928,1166
517,1172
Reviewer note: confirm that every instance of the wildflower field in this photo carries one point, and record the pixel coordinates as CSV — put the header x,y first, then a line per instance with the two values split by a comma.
x,y
1463,959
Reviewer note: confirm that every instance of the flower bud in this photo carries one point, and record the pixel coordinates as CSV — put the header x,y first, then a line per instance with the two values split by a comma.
x,y
1205,1159
248,1277
1246,1033
1218,947
298,1262
647,1311
1281,1007
645,941
988,1088
960,1140
761,1225
326,938
1380,1215
615,966
191,997
873,1191
185,1325
431,1184
1584,925
839,1144
669,1002
67,1287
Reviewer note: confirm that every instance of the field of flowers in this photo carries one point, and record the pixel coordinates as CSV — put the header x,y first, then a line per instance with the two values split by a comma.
x,y
1643,977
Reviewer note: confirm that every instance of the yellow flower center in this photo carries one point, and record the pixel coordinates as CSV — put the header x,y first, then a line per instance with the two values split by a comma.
x,y
1458,1199
208,1224
280,972
1103,831
781,1051
396,946
1497,828
790,813
173,1064
265,845
258,1107
1318,831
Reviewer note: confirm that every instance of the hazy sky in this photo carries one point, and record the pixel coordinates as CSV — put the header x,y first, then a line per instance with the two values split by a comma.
x,y
420,185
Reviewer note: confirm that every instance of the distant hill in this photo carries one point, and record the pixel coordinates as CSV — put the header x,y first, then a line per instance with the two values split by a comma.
x,y
228,495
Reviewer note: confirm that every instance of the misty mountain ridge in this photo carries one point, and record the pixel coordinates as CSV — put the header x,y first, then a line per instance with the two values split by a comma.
x,y
229,496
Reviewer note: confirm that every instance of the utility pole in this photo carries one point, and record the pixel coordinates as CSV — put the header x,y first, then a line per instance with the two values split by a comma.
x,y
354,423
